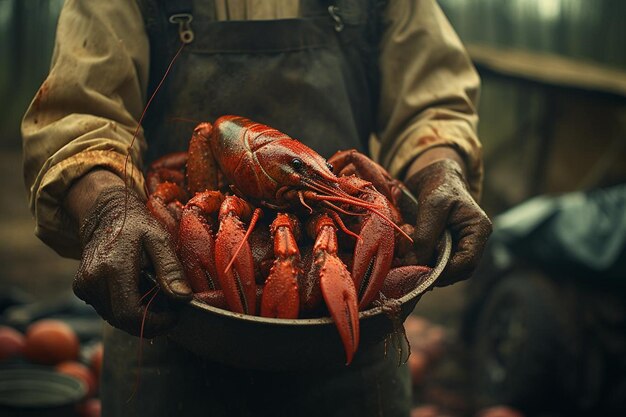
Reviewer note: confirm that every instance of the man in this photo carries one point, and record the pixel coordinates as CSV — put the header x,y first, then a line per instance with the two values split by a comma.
x,y
326,73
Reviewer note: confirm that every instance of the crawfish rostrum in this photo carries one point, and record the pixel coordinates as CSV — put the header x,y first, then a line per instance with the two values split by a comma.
x,y
265,225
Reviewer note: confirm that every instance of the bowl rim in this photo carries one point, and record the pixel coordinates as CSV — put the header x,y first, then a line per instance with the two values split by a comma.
x,y
22,375
442,261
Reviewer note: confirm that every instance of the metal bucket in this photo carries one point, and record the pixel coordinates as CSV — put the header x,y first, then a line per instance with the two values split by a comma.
x,y
38,392
252,342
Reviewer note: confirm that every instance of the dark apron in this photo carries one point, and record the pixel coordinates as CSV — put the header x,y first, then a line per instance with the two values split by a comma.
x,y
315,79
300,76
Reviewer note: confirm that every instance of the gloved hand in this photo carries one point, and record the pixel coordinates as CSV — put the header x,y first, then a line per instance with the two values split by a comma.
x,y
444,202
116,235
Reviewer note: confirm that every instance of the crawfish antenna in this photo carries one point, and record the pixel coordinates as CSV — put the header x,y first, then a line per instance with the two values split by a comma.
x,y
255,217
139,122
154,291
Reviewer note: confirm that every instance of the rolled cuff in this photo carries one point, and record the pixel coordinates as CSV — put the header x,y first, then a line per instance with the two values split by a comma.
x,y
435,134
55,226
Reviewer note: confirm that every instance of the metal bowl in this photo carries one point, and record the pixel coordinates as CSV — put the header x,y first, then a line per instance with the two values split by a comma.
x,y
252,342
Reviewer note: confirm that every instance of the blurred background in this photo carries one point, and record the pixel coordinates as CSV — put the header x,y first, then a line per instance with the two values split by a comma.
x,y
542,325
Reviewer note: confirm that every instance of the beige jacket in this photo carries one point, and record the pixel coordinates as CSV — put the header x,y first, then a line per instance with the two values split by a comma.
x,y
86,112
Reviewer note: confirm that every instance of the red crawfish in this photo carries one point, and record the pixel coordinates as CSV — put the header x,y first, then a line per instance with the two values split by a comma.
x,y
268,168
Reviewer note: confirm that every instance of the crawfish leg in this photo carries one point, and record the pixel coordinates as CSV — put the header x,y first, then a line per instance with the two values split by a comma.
x,y
280,296
201,164
335,282
402,280
160,204
168,168
353,162
174,161
155,178
216,298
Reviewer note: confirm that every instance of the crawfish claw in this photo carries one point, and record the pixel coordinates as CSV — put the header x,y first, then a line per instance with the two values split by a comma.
x,y
281,298
340,297
196,244
232,248
336,284
373,253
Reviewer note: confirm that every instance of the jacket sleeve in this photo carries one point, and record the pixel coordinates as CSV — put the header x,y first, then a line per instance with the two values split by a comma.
x,y
85,114
429,90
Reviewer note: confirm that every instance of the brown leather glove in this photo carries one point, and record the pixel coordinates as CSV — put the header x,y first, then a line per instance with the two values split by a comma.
x,y
444,202
116,235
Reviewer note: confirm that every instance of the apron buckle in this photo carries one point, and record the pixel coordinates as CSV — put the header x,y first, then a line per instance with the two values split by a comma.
x,y
184,28
334,14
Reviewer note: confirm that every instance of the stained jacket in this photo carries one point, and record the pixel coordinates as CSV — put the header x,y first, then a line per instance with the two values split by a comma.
x,y
85,114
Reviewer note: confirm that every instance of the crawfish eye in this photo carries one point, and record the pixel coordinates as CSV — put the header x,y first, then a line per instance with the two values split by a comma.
x,y
330,166
296,164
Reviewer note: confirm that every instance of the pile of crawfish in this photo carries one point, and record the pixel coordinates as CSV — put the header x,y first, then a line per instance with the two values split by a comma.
x,y
264,225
